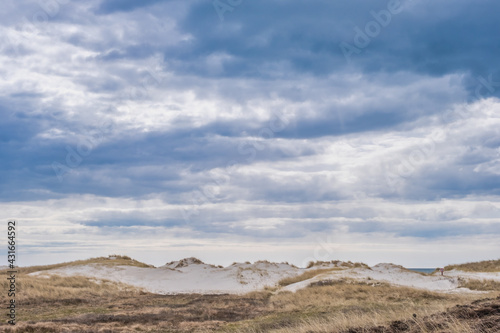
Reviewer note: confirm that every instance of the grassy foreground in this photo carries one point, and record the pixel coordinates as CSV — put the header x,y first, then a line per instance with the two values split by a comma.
x,y
80,304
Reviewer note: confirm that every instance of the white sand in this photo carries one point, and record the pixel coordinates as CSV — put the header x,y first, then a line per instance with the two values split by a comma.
x,y
389,273
188,277
474,275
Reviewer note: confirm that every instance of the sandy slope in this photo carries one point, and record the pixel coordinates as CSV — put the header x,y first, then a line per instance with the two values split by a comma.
x,y
474,275
389,273
193,276
187,276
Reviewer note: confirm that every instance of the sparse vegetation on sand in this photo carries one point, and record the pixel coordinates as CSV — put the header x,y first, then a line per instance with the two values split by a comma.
x,y
338,263
481,285
35,288
480,266
346,304
305,276
82,305
79,304
112,260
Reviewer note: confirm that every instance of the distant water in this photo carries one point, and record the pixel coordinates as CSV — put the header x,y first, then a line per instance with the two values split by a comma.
x,y
423,270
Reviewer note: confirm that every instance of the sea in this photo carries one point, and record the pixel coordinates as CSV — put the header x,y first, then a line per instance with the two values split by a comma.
x,y
423,270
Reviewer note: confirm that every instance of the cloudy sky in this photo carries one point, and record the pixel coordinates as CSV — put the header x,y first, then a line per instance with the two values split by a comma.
x,y
239,130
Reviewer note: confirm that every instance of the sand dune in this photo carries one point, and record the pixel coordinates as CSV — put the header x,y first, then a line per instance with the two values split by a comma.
x,y
190,275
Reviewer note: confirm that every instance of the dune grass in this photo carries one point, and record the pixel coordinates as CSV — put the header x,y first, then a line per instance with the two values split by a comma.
x,y
108,261
346,304
79,304
480,285
42,298
343,264
480,266
59,288
305,276
71,294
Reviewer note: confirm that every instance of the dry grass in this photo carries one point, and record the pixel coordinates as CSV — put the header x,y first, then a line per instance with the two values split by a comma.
x,y
79,304
118,261
482,316
481,266
481,285
305,276
345,304
131,311
41,299
51,297
57,288
344,264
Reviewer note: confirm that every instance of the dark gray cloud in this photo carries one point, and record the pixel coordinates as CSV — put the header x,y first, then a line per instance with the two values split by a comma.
x,y
108,7
425,37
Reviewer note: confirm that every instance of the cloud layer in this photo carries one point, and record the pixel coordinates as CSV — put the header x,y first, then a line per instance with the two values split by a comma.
x,y
365,130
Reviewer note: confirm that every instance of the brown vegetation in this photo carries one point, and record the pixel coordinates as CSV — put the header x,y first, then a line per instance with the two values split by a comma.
x,y
343,304
34,288
62,304
480,266
112,260
79,304
481,285
305,276
482,316
344,264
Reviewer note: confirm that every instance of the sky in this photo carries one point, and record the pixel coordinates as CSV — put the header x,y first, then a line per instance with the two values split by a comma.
x,y
235,130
